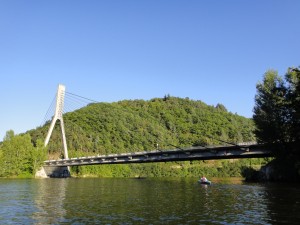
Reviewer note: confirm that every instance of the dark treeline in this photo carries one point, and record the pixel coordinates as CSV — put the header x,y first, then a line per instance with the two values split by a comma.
x,y
277,118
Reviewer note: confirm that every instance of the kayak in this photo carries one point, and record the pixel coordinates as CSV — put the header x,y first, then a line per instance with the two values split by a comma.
x,y
204,182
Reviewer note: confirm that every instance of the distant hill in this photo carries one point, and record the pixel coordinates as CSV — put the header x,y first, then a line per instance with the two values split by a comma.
x,y
138,125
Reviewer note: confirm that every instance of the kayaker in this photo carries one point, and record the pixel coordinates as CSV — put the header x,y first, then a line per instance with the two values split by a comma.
x,y
203,179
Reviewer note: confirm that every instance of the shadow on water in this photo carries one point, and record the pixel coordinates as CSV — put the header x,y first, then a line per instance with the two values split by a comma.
x,y
283,202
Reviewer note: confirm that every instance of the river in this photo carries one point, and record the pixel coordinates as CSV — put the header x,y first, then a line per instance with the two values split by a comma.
x,y
146,201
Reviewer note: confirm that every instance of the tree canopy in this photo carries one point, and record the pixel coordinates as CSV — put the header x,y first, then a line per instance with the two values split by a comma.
x,y
19,157
277,115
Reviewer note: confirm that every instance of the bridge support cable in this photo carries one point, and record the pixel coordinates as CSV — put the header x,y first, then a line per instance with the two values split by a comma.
x,y
72,103
226,142
50,112
82,98
230,143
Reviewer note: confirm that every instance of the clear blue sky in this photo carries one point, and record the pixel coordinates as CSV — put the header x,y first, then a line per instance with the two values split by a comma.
x,y
214,51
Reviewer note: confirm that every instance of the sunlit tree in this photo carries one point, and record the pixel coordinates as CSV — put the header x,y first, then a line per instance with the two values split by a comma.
x,y
270,112
18,155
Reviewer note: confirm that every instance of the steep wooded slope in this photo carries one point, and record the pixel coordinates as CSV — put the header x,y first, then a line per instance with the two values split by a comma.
x,y
137,125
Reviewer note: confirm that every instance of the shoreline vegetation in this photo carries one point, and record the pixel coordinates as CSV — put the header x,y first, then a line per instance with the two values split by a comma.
x,y
219,169
210,168
162,123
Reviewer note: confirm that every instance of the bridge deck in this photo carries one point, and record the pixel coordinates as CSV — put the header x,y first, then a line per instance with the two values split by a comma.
x,y
186,154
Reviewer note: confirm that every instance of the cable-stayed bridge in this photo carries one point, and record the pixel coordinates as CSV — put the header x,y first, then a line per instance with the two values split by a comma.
x,y
186,154
60,167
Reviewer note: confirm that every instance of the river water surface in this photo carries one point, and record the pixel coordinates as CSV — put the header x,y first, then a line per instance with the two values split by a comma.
x,y
146,201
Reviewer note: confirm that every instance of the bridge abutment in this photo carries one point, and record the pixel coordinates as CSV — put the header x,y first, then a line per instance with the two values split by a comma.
x,y
53,172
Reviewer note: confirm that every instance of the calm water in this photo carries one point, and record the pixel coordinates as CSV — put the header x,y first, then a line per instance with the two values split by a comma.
x,y
145,201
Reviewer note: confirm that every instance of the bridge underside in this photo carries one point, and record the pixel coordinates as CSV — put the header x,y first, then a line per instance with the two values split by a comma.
x,y
188,154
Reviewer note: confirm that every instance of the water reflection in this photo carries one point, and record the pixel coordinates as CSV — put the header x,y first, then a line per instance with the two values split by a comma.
x,y
49,201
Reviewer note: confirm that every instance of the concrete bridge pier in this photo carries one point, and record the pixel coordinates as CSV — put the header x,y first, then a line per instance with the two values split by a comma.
x,y
53,172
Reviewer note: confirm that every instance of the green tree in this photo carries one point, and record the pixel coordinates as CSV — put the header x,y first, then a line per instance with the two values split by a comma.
x,y
18,156
221,107
9,135
293,79
277,118
16,153
293,96
2,162
37,156
270,111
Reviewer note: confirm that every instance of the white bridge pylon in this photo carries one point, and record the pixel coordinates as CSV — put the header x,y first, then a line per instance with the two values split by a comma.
x,y
58,115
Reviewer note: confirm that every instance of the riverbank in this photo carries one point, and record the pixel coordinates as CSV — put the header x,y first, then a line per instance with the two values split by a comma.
x,y
274,171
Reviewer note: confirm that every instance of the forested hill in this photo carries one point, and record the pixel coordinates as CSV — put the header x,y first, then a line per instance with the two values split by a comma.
x,y
137,125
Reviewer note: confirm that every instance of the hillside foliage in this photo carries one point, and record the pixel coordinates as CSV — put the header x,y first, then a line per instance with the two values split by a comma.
x,y
132,126
139,125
